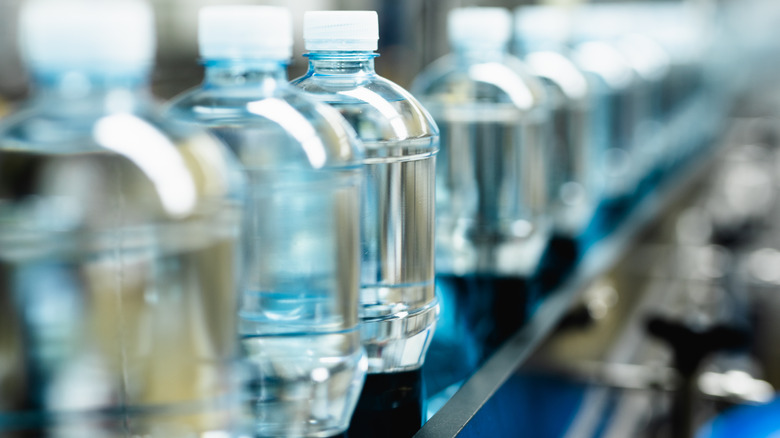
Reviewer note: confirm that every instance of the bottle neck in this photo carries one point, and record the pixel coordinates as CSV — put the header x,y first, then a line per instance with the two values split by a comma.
x,y
341,63
528,45
480,53
244,73
91,91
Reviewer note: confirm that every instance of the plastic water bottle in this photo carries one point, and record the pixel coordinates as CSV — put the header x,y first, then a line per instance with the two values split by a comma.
x,y
618,109
621,26
303,164
117,236
540,38
493,221
676,30
398,306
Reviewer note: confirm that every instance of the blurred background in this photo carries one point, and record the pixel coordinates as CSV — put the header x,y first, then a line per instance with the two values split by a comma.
x,y
708,262
412,34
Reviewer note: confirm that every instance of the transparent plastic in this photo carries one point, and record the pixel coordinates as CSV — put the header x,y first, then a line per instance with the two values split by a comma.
x,y
398,305
634,67
298,318
492,197
618,109
117,264
492,200
576,154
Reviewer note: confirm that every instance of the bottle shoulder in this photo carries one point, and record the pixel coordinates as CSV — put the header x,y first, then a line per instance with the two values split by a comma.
x,y
378,109
604,61
61,127
507,82
162,171
271,128
560,71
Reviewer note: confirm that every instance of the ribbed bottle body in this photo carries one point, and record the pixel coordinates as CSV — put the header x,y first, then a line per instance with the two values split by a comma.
x,y
398,306
298,315
117,272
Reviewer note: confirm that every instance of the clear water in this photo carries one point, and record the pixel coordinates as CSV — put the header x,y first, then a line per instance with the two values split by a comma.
x,y
574,160
117,316
492,200
398,304
298,314
304,385
575,155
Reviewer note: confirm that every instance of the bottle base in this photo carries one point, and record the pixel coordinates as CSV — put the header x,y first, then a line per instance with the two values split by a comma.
x,y
303,385
398,342
390,406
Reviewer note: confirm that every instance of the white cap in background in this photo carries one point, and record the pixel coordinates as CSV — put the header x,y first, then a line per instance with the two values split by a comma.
x,y
241,32
604,21
341,30
543,22
479,26
93,36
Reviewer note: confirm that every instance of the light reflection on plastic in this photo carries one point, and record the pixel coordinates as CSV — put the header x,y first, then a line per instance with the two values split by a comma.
x,y
605,61
560,70
293,122
320,375
155,155
506,79
384,107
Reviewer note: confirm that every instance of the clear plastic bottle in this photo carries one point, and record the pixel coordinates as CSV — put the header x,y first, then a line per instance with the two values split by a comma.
x,y
618,111
398,306
117,237
678,28
303,164
689,116
493,221
540,38
621,25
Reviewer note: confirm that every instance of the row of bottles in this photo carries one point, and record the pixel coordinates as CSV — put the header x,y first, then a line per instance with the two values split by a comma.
x,y
158,283
555,123
262,257
118,233
302,163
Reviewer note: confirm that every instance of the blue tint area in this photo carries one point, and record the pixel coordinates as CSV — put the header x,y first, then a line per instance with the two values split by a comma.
x,y
745,422
529,406
454,353
478,313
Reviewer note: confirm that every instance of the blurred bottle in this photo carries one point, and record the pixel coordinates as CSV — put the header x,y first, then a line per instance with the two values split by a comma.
x,y
679,29
492,202
540,38
117,236
617,111
398,306
620,26
303,163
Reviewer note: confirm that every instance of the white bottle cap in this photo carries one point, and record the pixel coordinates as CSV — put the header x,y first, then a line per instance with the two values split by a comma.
x,y
93,36
241,32
543,22
479,26
603,21
341,30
